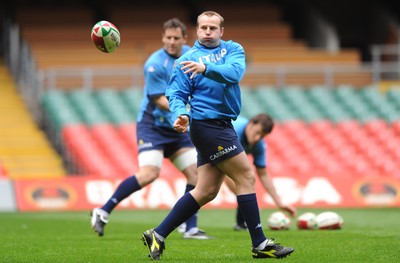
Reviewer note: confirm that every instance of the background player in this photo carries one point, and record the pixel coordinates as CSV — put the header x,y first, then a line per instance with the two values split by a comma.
x,y
155,134
251,134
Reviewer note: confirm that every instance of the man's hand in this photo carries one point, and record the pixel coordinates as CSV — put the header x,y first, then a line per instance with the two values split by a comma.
x,y
289,209
192,67
181,124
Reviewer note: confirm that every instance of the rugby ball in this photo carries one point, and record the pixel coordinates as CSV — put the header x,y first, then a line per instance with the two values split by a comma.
x,y
105,36
307,221
329,220
278,221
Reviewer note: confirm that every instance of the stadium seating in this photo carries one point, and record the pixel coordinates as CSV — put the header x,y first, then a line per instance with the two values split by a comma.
x,y
84,103
25,151
316,130
60,112
83,151
341,129
260,28
113,106
96,127
114,148
132,99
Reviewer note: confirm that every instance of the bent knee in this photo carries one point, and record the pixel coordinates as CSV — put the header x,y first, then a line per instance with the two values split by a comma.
x,y
204,196
147,175
191,174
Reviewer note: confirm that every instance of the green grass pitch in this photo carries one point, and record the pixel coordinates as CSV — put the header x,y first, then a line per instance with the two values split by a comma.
x,y
368,235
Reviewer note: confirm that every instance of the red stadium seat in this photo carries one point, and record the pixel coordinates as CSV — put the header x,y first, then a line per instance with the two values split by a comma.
x,y
279,142
396,127
362,142
321,127
277,166
127,132
346,127
84,151
296,129
115,149
334,141
359,167
380,130
311,142
324,147
375,126
386,166
323,160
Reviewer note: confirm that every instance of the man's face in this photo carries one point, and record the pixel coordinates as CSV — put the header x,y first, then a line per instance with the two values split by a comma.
x,y
254,133
173,41
209,31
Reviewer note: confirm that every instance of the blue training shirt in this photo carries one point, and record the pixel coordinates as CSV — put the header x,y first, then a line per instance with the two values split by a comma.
x,y
258,151
216,94
157,72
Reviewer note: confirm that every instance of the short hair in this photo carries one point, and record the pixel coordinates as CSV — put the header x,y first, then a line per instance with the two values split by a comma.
x,y
265,120
211,13
175,23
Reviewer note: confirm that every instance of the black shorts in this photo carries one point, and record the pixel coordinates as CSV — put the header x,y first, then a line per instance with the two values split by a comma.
x,y
215,141
152,137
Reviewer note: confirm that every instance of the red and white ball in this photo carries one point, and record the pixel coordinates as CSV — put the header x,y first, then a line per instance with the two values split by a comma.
x,y
329,220
105,36
307,221
278,221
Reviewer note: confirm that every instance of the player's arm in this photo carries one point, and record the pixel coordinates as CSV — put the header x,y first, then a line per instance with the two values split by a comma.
x,y
156,84
270,188
162,102
177,93
232,71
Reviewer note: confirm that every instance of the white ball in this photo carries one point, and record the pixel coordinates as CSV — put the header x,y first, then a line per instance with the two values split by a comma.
x,y
307,221
278,221
329,220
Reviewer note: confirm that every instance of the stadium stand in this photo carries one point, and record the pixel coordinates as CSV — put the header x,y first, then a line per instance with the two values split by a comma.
x,y
25,152
258,26
268,40
82,150
113,106
352,128
94,127
308,137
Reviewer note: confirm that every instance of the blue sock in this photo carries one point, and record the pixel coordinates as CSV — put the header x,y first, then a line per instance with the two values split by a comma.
x,y
239,218
192,221
249,208
182,210
124,189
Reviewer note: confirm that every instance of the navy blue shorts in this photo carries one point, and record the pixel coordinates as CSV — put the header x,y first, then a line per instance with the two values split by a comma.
x,y
215,141
152,137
